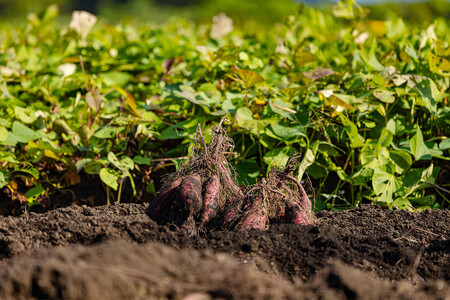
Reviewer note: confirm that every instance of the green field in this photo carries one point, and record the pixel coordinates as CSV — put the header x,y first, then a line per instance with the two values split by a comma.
x,y
363,96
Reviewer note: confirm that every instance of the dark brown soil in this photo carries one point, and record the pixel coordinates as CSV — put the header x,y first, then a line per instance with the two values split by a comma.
x,y
117,252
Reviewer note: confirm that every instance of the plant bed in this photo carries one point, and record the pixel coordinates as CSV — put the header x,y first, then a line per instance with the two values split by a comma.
x,y
364,252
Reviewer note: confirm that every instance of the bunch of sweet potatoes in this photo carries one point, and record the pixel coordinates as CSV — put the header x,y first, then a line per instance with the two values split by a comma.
x,y
203,193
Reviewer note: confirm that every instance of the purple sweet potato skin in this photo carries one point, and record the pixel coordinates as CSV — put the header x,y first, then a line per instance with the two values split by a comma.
x,y
305,204
162,200
233,212
190,194
210,199
255,218
294,214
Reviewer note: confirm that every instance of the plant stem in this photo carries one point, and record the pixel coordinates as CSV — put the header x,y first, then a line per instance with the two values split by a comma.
x,y
246,97
108,202
120,189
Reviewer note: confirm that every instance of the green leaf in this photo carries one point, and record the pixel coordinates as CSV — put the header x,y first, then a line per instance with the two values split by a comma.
x,y
116,78
34,192
384,95
140,160
308,159
385,139
126,163
287,132
278,156
385,184
411,52
355,138
279,107
444,145
26,115
418,147
371,62
402,203
396,28
247,171
108,132
316,171
94,100
427,200
94,167
181,129
402,159
3,179
5,91
246,77
318,73
82,162
112,158
244,117
3,134
22,133
110,177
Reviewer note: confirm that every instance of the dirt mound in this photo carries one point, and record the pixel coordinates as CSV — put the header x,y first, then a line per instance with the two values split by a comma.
x,y
375,246
123,270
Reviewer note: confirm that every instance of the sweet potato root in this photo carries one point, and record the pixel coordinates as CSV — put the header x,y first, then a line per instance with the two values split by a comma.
x,y
210,199
254,218
233,212
305,202
162,200
190,194
293,214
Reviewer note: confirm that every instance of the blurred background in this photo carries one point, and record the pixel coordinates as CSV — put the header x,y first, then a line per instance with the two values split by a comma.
x,y
264,12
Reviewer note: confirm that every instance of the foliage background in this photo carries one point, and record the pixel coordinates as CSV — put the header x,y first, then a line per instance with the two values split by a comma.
x,y
363,95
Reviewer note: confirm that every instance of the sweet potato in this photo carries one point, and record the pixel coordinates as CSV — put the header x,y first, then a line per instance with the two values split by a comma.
x,y
305,202
254,218
233,211
162,200
190,194
210,199
294,214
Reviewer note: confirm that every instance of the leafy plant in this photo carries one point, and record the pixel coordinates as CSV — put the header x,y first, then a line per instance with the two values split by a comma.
x,y
364,100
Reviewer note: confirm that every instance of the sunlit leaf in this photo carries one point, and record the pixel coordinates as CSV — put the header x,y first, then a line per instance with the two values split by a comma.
x,y
3,134
384,95
418,147
356,139
335,100
246,77
94,99
23,133
278,156
107,132
116,78
318,73
308,159
132,104
439,65
444,145
34,192
109,177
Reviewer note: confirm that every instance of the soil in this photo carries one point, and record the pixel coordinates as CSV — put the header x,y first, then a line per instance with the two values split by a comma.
x,y
118,252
